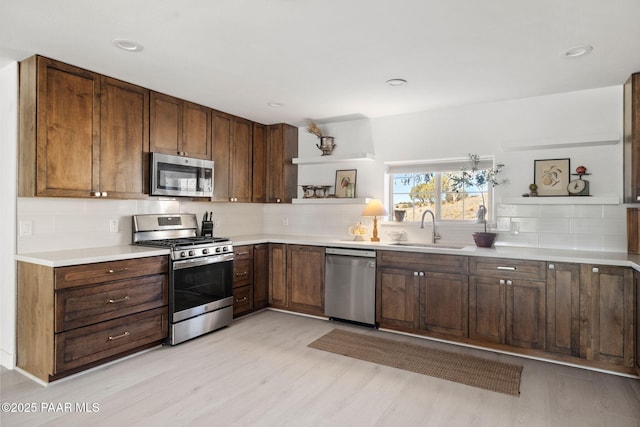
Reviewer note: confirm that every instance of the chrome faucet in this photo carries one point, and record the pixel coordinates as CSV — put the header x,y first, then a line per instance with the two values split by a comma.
x,y
434,236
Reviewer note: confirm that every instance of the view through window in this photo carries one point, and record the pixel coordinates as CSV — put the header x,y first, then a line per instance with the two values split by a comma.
x,y
414,192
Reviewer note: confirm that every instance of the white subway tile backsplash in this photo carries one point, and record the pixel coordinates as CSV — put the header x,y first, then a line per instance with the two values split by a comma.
x,y
80,223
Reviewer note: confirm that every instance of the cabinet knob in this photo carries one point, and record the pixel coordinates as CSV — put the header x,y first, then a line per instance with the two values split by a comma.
x,y
509,283
421,274
595,270
104,194
552,266
502,281
278,200
96,194
415,273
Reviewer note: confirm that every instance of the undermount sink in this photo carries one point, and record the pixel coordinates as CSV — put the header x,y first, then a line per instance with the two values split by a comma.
x,y
429,245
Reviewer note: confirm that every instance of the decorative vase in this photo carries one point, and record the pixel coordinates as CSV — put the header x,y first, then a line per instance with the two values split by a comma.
x,y
326,145
484,240
399,215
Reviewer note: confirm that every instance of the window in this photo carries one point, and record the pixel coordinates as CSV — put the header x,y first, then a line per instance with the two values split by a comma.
x,y
417,186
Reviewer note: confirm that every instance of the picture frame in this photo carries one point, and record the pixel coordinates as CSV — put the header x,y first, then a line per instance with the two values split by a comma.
x,y
346,183
552,176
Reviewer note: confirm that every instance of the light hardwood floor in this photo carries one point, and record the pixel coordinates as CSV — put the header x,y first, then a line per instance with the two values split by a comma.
x,y
260,372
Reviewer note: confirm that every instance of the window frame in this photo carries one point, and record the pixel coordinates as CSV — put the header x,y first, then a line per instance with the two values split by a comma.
x,y
438,167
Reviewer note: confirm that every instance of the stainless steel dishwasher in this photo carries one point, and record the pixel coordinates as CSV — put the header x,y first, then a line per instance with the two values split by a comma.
x,y
350,285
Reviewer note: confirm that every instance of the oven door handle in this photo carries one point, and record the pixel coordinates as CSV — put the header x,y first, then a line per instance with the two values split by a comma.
x,y
197,262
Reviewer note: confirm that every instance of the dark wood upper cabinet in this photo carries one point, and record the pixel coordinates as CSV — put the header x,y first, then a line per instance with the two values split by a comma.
x,y
124,139
179,127
632,139
81,134
280,174
259,161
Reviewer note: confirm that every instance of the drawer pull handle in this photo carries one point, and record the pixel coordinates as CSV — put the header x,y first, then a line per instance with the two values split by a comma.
x,y
506,268
244,273
113,301
243,299
117,337
242,253
118,271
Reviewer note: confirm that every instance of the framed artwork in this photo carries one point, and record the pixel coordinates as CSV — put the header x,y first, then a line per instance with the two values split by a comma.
x,y
346,183
551,176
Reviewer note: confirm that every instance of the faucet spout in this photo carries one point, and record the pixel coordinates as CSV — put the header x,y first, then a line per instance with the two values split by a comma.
x,y
434,236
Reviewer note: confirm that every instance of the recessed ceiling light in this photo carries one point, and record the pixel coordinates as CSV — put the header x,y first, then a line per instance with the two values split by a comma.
x,y
128,45
396,82
274,104
574,52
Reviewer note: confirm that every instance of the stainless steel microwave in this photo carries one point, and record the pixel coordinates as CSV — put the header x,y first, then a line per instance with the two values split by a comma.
x,y
181,176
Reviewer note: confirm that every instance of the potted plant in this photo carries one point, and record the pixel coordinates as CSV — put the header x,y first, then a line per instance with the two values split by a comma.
x,y
479,178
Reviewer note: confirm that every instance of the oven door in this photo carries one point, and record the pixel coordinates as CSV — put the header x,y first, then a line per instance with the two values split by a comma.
x,y
181,176
200,285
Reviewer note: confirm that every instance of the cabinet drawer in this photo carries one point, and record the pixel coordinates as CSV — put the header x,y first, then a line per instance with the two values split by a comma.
x,y
511,268
76,307
424,262
96,342
242,300
89,274
242,252
242,272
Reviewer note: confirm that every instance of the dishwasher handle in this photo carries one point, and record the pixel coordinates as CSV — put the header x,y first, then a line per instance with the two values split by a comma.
x,y
351,252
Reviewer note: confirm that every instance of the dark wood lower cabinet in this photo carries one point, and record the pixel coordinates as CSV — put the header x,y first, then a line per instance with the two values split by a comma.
x,y
563,308
250,278
305,278
260,276
278,297
636,286
607,314
76,317
507,311
397,298
444,303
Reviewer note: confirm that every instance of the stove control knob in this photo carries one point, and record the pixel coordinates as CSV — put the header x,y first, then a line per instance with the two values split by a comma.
x,y
218,249
192,253
183,254
225,249
205,251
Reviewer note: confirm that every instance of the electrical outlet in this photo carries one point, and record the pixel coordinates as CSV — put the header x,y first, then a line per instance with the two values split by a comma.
x,y
26,228
114,226
285,221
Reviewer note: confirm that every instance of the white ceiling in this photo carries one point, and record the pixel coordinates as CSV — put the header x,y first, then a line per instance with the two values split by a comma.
x,y
330,58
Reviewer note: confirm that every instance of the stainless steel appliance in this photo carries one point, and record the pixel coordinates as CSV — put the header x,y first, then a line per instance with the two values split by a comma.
x,y
200,273
181,176
350,285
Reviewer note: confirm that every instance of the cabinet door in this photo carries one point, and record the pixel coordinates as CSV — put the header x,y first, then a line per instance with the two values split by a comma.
x,y
563,308
305,278
636,285
196,131
241,160
221,149
165,124
260,275
259,174
124,139
607,300
68,114
397,297
444,303
282,147
525,304
487,309
632,139
278,275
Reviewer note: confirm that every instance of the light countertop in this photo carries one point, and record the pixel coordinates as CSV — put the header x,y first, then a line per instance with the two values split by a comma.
x,y
113,253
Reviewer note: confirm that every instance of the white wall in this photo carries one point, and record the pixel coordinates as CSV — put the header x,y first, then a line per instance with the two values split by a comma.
x,y
485,129
8,142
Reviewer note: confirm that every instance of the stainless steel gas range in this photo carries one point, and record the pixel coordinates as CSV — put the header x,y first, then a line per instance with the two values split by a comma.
x,y
200,273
